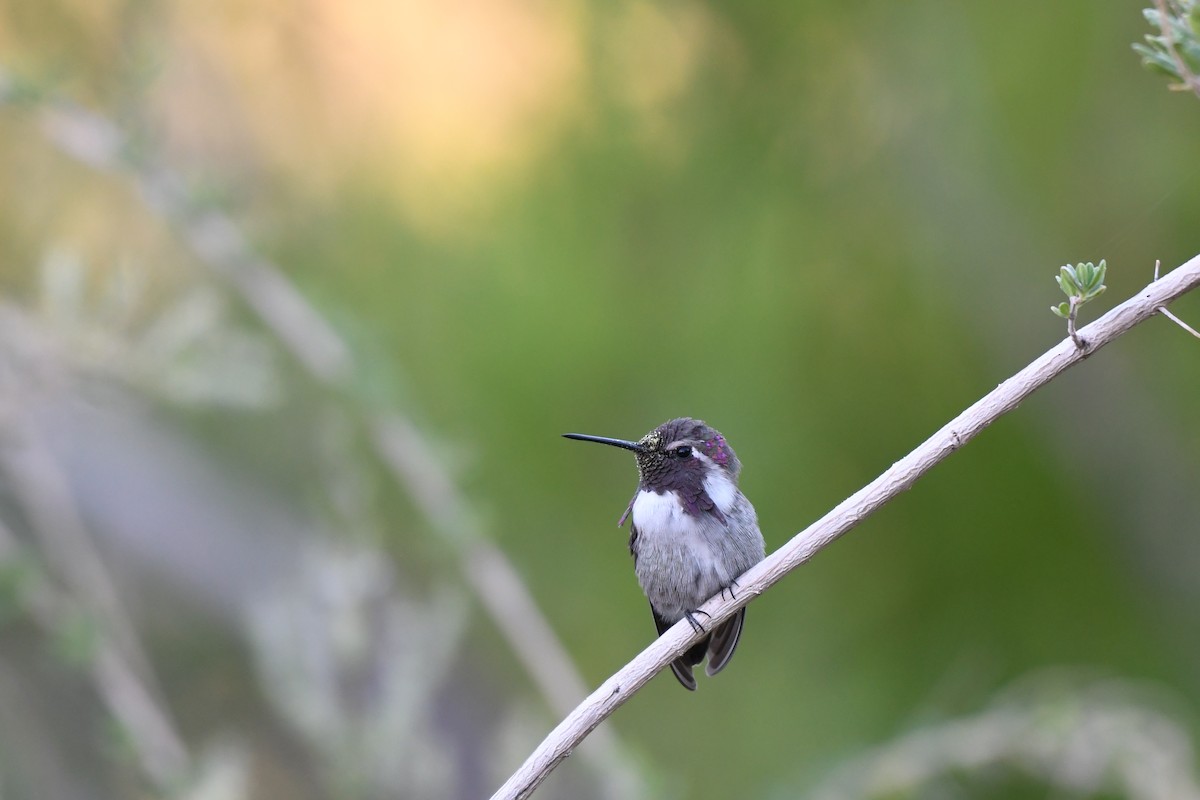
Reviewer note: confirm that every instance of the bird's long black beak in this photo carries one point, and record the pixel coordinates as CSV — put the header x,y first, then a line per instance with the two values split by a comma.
x,y
583,437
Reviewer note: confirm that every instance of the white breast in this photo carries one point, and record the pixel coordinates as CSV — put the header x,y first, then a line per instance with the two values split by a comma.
x,y
656,512
677,561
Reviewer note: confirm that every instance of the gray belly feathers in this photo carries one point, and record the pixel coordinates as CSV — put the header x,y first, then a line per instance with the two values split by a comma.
x,y
683,560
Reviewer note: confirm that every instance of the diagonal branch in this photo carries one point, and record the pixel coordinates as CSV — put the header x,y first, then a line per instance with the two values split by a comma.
x,y
899,477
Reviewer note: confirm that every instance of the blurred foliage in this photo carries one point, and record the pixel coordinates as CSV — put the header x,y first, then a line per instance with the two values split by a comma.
x,y
1175,49
531,218
1055,731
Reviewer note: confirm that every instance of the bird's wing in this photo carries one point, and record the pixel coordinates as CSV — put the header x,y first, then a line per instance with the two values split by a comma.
x,y
628,508
724,641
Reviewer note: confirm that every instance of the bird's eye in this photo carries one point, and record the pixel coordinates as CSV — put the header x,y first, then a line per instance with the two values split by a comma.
x,y
683,451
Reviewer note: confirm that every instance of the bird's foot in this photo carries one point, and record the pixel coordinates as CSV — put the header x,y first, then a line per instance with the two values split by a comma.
x,y
690,616
729,589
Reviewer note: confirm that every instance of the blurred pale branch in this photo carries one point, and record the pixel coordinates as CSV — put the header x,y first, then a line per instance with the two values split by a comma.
x,y
219,245
1084,739
114,656
335,620
58,579
626,682
119,666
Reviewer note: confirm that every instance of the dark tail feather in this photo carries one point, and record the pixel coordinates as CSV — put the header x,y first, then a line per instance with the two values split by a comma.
x,y
682,666
721,644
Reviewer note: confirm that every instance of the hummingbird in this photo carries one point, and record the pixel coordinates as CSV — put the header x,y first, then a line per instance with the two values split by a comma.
x,y
693,532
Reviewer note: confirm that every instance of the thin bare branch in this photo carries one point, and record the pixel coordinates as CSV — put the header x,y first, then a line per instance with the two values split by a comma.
x,y
1071,317
901,476
1179,322
1163,309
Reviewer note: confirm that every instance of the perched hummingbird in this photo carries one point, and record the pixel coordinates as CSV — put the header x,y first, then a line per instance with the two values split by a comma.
x,y
693,532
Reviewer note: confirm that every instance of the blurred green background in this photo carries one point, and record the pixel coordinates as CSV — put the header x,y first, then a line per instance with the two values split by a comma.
x,y
825,229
